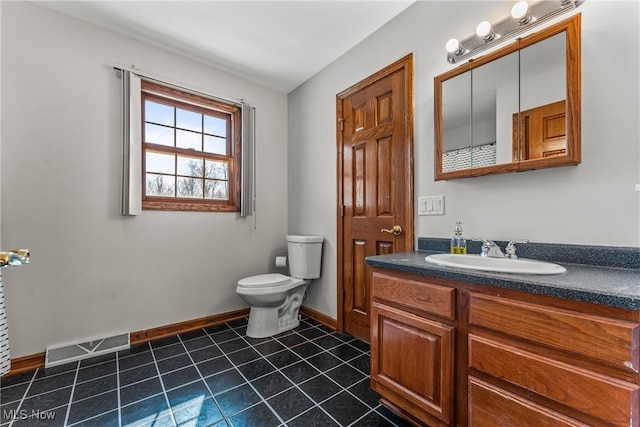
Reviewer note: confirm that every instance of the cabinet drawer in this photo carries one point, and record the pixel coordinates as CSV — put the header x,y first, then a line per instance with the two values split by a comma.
x,y
490,406
603,397
427,297
614,342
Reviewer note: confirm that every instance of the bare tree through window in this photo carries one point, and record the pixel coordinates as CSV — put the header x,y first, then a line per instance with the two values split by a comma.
x,y
158,186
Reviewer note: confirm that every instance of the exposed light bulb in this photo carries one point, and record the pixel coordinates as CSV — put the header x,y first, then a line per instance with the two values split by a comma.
x,y
453,46
485,31
520,12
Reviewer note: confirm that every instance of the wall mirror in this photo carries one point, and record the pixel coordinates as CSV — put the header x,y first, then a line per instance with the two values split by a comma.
x,y
515,109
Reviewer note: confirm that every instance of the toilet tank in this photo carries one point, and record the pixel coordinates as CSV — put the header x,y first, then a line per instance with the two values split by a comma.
x,y
305,254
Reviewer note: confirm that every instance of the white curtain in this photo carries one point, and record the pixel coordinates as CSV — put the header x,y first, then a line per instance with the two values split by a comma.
x,y
247,203
131,203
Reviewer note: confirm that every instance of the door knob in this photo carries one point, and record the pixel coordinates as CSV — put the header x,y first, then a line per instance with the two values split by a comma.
x,y
396,230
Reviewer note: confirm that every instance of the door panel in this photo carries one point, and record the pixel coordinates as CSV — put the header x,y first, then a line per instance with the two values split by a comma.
x,y
384,177
542,132
375,183
360,300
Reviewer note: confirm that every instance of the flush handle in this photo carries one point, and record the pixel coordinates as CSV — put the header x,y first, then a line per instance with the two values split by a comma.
x,y
396,230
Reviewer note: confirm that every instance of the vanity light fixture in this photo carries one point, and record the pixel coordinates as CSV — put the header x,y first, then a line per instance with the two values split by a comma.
x,y
454,47
520,12
485,31
524,16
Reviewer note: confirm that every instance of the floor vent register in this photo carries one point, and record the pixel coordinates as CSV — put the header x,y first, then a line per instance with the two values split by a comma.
x,y
65,353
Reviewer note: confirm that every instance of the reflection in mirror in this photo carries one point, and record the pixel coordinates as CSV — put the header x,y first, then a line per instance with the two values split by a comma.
x,y
495,99
542,126
456,120
515,109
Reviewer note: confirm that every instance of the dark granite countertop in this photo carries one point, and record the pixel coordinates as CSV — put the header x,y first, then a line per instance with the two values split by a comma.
x,y
614,286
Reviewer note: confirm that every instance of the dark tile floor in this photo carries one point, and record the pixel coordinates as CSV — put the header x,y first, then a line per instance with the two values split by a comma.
x,y
211,377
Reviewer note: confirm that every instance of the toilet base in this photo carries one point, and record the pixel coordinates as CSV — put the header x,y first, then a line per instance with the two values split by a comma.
x,y
268,321
263,322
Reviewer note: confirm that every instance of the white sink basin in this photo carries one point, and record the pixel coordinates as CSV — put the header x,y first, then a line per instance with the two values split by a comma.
x,y
500,265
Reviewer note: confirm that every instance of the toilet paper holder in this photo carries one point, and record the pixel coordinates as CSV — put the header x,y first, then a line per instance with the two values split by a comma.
x,y
281,262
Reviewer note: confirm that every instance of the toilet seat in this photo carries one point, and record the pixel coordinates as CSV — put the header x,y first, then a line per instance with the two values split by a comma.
x,y
267,283
264,280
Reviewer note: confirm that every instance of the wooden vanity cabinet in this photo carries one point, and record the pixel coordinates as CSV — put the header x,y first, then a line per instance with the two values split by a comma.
x,y
451,353
412,347
564,362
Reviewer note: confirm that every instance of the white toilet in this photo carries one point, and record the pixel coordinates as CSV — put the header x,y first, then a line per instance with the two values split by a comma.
x,y
275,298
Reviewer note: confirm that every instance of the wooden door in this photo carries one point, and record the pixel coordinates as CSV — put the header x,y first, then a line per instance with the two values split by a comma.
x,y
375,183
543,132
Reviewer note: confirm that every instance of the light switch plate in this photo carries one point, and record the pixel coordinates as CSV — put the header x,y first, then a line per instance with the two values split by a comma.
x,y
431,205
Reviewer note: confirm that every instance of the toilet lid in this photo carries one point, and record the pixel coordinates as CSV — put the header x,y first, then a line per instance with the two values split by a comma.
x,y
264,280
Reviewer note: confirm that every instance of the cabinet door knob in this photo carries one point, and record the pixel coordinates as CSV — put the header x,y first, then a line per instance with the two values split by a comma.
x,y
396,230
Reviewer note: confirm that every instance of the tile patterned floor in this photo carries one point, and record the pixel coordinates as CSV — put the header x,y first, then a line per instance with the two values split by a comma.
x,y
215,376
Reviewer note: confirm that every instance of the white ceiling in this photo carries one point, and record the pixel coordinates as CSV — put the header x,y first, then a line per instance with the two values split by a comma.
x,y
278,44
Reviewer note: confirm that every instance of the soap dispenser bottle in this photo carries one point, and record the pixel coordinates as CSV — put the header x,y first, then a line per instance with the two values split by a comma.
x,y
458,242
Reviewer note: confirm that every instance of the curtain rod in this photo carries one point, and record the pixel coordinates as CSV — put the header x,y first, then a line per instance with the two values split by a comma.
x,y
177,85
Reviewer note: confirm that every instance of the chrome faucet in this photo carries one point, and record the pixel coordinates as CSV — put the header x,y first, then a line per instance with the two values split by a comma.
x,y
490,249
510,249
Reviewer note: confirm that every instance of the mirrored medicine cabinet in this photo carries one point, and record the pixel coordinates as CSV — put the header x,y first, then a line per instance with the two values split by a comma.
x,y
515,109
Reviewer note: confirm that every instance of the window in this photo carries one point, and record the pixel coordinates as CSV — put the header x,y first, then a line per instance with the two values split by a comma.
x,y
191,151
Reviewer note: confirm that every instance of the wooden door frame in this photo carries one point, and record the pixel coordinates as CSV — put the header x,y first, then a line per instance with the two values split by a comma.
x,y
404,64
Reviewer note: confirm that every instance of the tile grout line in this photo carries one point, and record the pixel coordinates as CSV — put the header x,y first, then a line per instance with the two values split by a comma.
x,y
73,389
195,365
353,423
24,396
139,381
98,377
93,416
118,386
117,390
164,391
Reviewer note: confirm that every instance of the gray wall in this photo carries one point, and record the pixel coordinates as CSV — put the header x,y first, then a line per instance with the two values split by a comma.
x,y
593,203
94,272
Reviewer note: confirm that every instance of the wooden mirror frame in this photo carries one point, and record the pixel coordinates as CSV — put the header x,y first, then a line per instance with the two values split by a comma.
x,y
573,110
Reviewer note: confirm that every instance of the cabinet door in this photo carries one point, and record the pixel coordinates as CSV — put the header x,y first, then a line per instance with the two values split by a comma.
x,y
413,357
